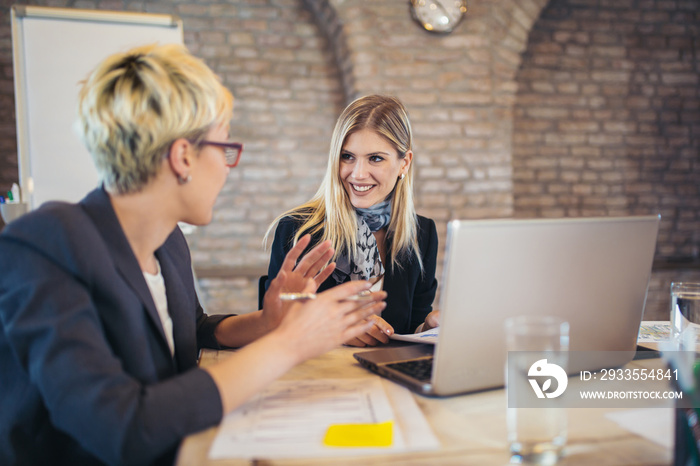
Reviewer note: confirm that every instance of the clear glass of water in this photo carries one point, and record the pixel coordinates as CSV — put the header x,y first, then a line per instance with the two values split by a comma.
x,y
536,431
685,313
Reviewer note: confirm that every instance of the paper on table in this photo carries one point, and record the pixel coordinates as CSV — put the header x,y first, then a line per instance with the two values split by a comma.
x,y
655,424
654,331
429,336
291,418
649,331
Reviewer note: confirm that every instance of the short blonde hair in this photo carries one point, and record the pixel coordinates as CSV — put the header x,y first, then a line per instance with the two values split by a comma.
x,y
330,208
135,104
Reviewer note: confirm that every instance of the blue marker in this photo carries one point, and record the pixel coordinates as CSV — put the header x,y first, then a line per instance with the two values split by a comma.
x,y
2,200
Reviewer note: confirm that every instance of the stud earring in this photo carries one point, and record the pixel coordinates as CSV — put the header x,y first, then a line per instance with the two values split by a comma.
x,y
403,175
184,180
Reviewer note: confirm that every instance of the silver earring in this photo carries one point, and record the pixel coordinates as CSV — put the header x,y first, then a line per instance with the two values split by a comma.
x,y
403,175
184,180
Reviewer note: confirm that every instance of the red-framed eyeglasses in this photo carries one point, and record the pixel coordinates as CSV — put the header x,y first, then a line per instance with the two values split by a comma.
x,y
232,151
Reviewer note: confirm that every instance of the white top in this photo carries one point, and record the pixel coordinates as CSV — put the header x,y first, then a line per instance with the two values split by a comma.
x,y
157,286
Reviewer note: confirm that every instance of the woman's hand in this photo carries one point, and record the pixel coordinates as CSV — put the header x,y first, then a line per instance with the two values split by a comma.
x,y
313,266
432,320
304,277
377,333
321,324
308,329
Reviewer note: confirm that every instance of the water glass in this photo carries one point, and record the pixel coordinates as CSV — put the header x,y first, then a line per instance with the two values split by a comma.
x,y
537,345
685,314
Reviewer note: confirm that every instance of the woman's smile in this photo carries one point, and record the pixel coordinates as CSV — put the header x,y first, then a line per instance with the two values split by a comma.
x,y
361,188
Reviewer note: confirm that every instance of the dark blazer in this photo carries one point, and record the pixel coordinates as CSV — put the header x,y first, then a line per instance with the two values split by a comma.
x,y
86,375
410,293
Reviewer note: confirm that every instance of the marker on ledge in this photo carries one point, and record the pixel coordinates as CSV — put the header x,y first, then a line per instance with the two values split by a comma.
x,y
363,295
13,193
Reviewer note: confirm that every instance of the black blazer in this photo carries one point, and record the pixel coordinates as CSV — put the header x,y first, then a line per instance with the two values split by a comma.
x,y
410,293
86,373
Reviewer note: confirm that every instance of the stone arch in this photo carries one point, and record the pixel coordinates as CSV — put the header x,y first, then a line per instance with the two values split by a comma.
x,y
331,25
462,114
511,23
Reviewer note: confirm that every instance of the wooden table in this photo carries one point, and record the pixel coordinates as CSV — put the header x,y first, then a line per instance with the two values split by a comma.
x,y
471,428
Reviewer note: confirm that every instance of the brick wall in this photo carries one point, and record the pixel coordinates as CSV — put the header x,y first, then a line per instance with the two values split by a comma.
x,y
607,120
8,140
483,148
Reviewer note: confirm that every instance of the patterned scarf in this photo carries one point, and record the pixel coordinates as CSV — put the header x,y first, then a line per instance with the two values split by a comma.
x,y
367,262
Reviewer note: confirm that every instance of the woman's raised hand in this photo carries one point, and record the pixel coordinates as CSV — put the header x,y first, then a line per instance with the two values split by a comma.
x,y
302,277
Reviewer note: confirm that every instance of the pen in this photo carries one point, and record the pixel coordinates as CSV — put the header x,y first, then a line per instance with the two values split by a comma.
x,y
297,296
363,295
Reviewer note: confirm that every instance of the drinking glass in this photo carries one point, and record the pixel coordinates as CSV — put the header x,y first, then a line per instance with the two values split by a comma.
x,y
685,313
535,378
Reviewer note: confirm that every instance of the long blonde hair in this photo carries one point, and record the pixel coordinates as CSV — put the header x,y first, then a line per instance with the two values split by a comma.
x,y
330,209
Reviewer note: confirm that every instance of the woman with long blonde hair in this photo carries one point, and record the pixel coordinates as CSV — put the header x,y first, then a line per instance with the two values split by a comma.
x,y
364,207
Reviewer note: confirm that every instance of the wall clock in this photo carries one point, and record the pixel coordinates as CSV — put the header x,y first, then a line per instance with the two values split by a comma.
x,y
439,16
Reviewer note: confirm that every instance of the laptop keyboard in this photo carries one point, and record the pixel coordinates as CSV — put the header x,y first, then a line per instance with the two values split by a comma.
x,y
420,369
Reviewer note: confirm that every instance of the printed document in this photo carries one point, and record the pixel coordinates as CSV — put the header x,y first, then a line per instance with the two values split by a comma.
x,y
291,417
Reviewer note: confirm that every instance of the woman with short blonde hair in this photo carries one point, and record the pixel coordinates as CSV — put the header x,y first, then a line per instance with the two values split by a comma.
x,y
100,324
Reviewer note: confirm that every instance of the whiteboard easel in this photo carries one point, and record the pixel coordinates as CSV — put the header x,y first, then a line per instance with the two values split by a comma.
x,y
53,50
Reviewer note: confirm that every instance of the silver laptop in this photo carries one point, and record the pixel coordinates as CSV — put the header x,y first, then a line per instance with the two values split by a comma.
x,y
592,272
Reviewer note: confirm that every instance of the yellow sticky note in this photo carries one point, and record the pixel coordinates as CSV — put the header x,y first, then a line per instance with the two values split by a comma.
x,y
360,435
